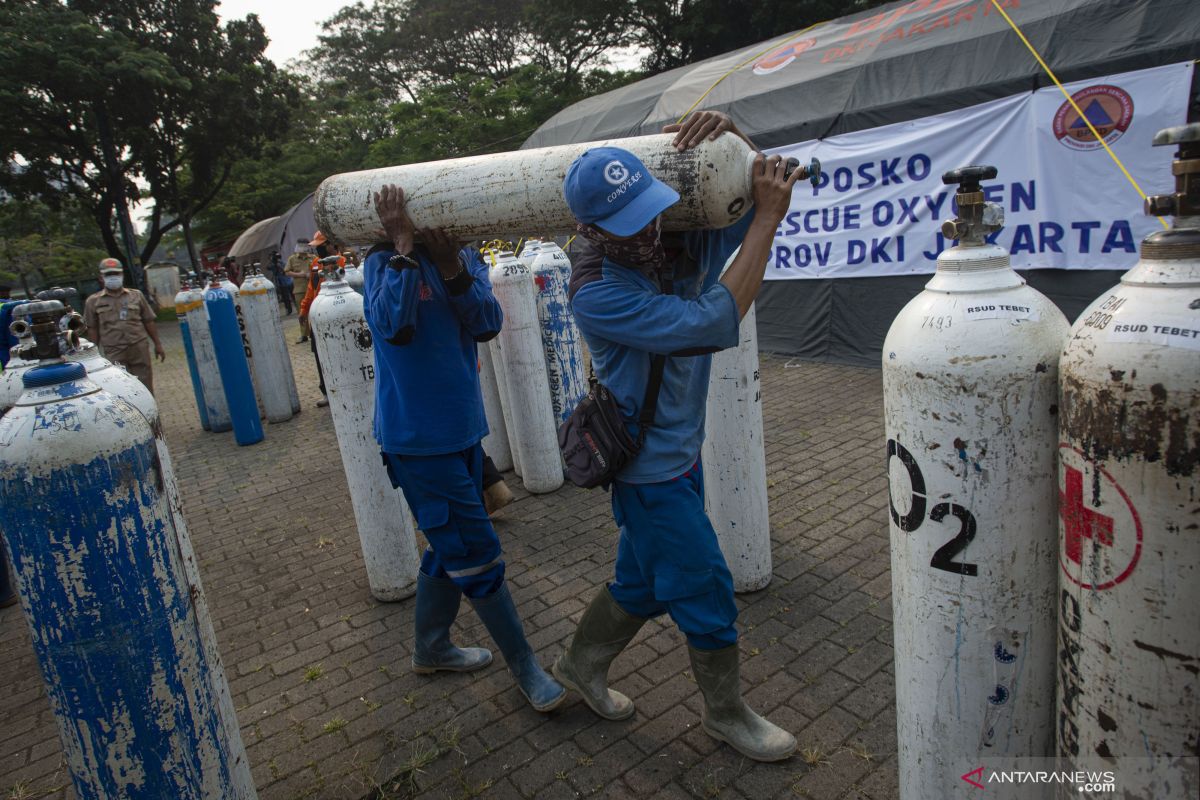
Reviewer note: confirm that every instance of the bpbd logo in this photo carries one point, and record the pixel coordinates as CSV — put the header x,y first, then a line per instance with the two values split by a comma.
x,y
780,57
1108,108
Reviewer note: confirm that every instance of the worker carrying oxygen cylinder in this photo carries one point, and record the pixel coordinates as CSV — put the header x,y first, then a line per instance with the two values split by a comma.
x,y
650,304
428,306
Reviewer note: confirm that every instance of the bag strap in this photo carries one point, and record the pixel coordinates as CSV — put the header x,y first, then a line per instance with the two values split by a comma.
x,y
650,400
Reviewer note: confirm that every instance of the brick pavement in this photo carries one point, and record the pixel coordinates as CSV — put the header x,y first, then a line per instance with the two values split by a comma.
x,y
330,710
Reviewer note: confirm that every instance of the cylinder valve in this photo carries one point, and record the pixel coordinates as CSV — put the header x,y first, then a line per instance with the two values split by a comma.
x,y
976,216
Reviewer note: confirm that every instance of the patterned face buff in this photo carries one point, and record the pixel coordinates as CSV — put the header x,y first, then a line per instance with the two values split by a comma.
x,y
644,250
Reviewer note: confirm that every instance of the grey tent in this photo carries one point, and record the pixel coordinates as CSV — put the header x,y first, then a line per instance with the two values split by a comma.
x,y
276,234
256,240
891,64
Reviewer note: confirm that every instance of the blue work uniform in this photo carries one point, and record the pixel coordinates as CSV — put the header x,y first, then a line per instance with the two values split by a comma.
x,y
668,559
429,417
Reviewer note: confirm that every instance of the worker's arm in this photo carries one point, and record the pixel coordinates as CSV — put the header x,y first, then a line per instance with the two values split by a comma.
x,y
151,326
391,297
772,194
465,276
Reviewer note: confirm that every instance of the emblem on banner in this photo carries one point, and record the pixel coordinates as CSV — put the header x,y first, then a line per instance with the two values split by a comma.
x,y
1109,108
780,57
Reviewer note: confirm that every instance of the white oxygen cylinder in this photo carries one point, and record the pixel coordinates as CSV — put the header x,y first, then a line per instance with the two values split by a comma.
x,y
215,403
385,525
495,444
496,351
562,344
10,381
969,383
735,461
522,190
272,367
235,293
532,433
114,379
529,252
354,278
1129,516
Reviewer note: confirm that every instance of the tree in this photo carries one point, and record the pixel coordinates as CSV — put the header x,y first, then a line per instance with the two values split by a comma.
x,y
399,47
43,247
105,94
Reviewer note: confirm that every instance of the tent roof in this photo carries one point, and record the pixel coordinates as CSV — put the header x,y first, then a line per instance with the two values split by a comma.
x,y
258,236
893,63
277,233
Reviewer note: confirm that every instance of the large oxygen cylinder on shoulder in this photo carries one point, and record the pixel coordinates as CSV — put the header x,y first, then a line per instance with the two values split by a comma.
x,y
969,383
495,444
272,367
385,525
182,300
522,190
232,355
735,460
215,405
90,515
1129,512
562,343
532,432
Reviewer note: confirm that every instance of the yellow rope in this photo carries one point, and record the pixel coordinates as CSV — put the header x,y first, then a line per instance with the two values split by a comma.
x,y
753,58
1074,105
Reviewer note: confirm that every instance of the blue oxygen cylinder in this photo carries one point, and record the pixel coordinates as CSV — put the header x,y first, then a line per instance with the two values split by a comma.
x,y
97,562
231,361
6,588
183,301
106,574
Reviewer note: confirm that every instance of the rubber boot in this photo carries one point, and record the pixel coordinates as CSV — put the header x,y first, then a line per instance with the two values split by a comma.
x,y
604,631
499,616
726,716
437,606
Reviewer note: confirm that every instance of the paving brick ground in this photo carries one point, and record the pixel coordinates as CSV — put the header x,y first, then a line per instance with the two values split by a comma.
x,y
328,706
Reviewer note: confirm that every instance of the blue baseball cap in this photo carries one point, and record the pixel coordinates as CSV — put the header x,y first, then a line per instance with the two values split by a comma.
x,y
611,188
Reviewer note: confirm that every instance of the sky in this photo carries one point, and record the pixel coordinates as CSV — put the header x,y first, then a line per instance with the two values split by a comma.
x,y
291,26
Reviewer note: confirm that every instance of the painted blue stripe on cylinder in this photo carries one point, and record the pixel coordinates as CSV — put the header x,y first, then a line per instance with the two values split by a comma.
x,y
234,368
190,352
115,630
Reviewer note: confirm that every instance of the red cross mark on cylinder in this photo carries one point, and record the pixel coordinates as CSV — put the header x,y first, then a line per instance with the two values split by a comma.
x,y
1097,549
1079,521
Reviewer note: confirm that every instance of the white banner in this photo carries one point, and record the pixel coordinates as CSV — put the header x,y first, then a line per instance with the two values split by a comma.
x,y
881,201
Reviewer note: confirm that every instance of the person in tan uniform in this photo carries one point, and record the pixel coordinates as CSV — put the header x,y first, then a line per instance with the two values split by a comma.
x,y
120,322
297,270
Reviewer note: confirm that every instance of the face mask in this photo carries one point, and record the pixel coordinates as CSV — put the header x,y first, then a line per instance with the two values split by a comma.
x,y
113,281
644,250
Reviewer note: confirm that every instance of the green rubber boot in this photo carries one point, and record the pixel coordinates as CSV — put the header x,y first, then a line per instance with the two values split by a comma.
x,y
726,717
604,631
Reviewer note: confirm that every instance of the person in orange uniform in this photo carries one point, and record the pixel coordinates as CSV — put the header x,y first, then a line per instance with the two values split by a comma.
x,y
324,248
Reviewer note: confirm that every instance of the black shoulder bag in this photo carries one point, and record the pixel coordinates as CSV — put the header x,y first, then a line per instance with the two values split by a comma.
x,y
594,443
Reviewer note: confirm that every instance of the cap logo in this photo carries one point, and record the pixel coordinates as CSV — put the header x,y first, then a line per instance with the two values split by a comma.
x,y
615,172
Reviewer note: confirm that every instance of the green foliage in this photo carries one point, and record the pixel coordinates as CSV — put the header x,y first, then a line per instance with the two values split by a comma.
x,y
44,247
103,95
